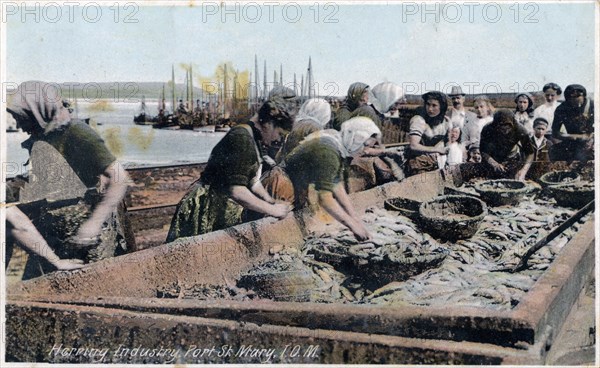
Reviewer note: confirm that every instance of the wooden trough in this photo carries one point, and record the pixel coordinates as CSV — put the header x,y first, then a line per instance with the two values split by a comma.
x,y
112,305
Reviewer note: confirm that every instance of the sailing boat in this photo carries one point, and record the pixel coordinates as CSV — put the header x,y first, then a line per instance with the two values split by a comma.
x,y
143,118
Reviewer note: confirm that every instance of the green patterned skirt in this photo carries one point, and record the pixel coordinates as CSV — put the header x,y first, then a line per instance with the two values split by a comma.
x,y
202,210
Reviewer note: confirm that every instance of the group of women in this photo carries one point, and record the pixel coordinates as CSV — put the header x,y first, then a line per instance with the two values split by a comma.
x,y
506,141
233,187
305,154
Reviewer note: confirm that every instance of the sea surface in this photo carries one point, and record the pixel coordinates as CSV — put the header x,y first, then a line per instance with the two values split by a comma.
x,y
133,145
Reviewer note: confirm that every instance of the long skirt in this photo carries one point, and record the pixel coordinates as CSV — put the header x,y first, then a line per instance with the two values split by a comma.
x,y
203,209
421,163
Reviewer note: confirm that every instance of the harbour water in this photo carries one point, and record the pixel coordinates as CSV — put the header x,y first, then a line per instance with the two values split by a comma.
x,y
133,145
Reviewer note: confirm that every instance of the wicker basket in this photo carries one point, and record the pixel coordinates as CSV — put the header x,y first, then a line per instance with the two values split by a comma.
x,y
374,272
452,217
406,207
559,177
574,195
502,192
280,281
338,257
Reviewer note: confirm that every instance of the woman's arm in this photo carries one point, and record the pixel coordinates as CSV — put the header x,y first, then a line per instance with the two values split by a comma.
x,y
259,190
493,163
416,146
28,237
340,194
522,173
335,209
248,200
115,179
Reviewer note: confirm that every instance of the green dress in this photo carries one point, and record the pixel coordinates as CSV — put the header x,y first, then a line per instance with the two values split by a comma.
x,y
207,207
315,162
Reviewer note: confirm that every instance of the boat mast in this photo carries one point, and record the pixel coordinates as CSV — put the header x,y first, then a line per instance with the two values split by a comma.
x,y
295,85
191,89
255,79
234,92
250,97
173,87
225,86
265,91
310,77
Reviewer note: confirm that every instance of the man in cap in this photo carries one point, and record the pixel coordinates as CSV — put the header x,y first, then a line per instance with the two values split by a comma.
x,y
576,115
457,114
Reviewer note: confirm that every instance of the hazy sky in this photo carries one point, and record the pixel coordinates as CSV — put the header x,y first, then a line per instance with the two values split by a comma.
x,y
509,45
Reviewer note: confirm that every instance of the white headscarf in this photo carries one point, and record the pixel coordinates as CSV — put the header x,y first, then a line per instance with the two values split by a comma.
x,y
40,104
386,94
328,136
356,131
316,109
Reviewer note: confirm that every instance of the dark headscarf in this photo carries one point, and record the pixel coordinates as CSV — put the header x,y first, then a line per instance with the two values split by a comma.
x,y
503,116
529,110
442,99
38,107
575,87
355,92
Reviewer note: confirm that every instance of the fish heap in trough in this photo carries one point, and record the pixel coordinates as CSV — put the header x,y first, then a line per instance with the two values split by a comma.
x,y
466,276
404,265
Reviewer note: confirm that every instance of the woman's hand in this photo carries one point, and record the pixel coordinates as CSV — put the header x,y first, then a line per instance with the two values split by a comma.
x,y
373,151
68,264
498,168
88,232
443,150
520,175
281,210
361,233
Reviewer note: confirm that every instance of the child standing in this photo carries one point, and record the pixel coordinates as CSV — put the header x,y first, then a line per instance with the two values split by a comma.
x,y
540,143
456,151
524,112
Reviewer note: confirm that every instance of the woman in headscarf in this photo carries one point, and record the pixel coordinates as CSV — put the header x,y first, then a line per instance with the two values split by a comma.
x,y
573,126
355,104
524,111
427,132
505,146
231,180
321,159
38,109
376,166
313,116
386,95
